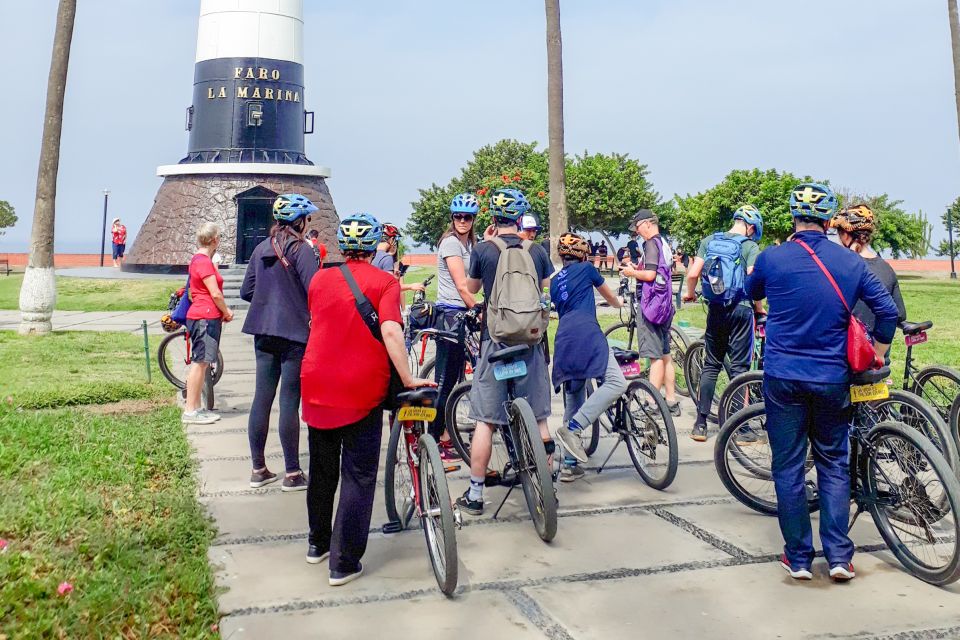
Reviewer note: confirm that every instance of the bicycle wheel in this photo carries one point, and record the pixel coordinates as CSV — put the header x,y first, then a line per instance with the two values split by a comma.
x,y
939,386
461,428
531,466
743,459
207,395
591,433
954,423
622,336
679,342
436,514
216,368
398,480
744,390
172,358
420,352
911,410
693,369
651,436
903,473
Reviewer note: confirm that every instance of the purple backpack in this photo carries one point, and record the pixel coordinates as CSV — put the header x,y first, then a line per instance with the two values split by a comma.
x,y
656,297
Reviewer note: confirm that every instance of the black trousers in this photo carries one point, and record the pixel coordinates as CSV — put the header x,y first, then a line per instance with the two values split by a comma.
x,y
451,359
350,453
729,333
278,362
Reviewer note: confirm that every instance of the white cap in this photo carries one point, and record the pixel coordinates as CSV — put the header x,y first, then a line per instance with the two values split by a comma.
x,y
529,222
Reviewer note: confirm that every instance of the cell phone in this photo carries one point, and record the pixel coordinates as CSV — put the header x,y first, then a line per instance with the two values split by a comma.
x,y
403,269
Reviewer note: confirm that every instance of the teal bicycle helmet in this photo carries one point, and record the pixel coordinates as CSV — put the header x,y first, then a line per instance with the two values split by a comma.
x,y
359,232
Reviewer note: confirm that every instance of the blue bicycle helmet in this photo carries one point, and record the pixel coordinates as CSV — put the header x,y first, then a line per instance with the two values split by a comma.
x,y
465,203
359,232
751,215
508,204
291,206
812,200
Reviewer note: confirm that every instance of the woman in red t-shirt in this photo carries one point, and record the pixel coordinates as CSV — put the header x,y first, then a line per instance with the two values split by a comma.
x,y
344,379
208,311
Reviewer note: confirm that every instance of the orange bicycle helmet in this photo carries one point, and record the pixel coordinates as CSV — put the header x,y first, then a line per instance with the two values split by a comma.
x,y
856,218
570,245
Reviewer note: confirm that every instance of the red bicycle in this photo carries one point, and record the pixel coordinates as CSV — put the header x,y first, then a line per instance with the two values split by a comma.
x,y
415,483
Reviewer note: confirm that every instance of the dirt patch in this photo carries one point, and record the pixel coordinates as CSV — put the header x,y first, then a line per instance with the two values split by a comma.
x,y
129,407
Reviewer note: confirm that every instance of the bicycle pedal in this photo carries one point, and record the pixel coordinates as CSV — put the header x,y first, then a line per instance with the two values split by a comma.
x,y
492,479
392,527
450,468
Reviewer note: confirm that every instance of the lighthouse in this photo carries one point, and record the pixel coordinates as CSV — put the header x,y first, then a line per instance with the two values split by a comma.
x,y
247,125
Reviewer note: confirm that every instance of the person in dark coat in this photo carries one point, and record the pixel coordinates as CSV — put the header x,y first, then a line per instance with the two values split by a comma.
x,y
276,284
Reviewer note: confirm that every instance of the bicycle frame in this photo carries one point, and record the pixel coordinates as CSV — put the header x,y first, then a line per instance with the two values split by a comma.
x,y
411,438
909,370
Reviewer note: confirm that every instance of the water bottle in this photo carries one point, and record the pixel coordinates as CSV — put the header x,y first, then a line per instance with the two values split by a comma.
x,y
715,278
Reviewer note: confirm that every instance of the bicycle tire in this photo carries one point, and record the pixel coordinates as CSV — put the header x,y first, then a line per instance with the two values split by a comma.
x,y
923,418
436,509
531,465
955,421
591,433
869,468
658,423
693,368
940,395
399,508
679,343
207,394
627,344
750,382
727,451
426,371
166,367
461,440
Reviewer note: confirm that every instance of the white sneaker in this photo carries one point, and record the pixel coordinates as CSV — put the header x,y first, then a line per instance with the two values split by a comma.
x,y
800,573
209,414
842,572
571,442
571,473
198,417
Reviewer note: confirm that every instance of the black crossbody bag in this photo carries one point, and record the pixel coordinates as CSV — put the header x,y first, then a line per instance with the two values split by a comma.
x,y
372,320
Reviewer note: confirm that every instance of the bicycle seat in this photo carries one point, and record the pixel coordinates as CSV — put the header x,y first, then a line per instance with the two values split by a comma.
x,y
422,397
872,376
510,353
913,328
625,357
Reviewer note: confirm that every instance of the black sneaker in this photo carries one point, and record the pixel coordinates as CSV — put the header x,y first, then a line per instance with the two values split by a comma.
x,y
315,556
295,483
473,507
262,478
340,578
699,432
674,409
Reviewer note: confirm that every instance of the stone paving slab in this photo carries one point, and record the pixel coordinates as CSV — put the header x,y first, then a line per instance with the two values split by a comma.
x,y
756,601
492,553
428,616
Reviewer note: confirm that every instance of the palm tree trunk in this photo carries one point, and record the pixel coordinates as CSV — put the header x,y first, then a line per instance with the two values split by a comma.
x,y
558,178
955,47
38,294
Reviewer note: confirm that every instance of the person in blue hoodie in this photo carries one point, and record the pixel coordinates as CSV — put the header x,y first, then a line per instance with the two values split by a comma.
x,y
806,380
581,351
276,283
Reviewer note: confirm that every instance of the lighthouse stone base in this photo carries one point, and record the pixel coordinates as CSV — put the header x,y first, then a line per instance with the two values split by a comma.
x,y
167,239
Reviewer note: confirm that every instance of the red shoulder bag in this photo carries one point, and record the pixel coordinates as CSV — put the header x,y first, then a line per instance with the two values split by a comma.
x,y
861,356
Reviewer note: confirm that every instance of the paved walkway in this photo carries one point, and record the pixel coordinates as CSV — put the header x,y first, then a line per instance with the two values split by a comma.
x,y
126,321
627,562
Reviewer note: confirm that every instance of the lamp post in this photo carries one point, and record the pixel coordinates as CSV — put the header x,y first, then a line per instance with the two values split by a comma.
x,y
103,236
953,271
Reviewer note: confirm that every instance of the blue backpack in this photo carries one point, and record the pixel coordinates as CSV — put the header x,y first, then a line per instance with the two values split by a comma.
x,y
724,270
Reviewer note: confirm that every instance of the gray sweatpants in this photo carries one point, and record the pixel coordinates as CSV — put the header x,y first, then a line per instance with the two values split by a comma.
x,y
586,410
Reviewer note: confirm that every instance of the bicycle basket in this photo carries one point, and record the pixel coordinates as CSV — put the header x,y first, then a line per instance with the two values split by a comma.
x,y
422,316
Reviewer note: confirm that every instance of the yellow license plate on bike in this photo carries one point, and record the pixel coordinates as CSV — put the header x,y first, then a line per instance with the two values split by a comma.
x,y
417,414
868,392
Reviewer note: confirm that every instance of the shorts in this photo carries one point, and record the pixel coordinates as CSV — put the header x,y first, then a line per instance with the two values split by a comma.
x,y
118,250
488,395
204,340
653,340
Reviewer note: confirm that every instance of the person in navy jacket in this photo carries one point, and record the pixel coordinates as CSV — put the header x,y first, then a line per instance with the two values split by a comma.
x,y
806,377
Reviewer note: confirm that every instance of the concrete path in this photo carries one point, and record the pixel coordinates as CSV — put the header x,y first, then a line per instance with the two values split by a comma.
x,y
125,321
627,562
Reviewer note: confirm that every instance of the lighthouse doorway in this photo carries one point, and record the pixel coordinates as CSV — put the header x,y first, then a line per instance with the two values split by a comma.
x,y
254,219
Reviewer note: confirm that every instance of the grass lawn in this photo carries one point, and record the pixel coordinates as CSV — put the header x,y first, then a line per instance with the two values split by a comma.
x,y
76,367
91,294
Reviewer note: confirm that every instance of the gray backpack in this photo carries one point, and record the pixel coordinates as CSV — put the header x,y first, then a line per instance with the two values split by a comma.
x,y
516,311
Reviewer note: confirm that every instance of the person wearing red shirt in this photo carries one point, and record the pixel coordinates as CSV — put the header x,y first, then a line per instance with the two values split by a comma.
x,y
344,378
208,311
119,233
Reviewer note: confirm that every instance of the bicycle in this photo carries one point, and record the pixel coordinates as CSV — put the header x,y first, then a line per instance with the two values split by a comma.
x,y
696,356
622,335
518,448
174,358
906,484
411,333
938,385
641,418
415,484
467,335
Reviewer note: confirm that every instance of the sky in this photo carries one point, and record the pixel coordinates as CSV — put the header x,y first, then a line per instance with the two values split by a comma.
x,y
859,92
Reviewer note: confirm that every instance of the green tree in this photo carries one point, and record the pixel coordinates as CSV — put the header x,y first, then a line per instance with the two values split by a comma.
x,y
605,191
712,210
951,217
8,217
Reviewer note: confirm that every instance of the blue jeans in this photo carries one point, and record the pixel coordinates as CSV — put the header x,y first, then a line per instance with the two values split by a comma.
x,y
798,412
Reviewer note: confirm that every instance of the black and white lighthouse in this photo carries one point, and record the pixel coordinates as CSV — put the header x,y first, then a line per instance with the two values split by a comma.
x,y
247,125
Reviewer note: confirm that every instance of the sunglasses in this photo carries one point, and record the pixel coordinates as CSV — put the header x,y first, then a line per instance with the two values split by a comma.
x,y
463,217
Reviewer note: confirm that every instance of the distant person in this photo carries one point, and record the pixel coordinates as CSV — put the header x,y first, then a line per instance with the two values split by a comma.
x,y
602,254
855,228
345,377
119,239
621,255
529,227
208,311
634,248
319,249
386,257
275,284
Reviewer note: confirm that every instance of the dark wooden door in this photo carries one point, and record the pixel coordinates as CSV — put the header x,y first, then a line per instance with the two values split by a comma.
x,y
254,219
